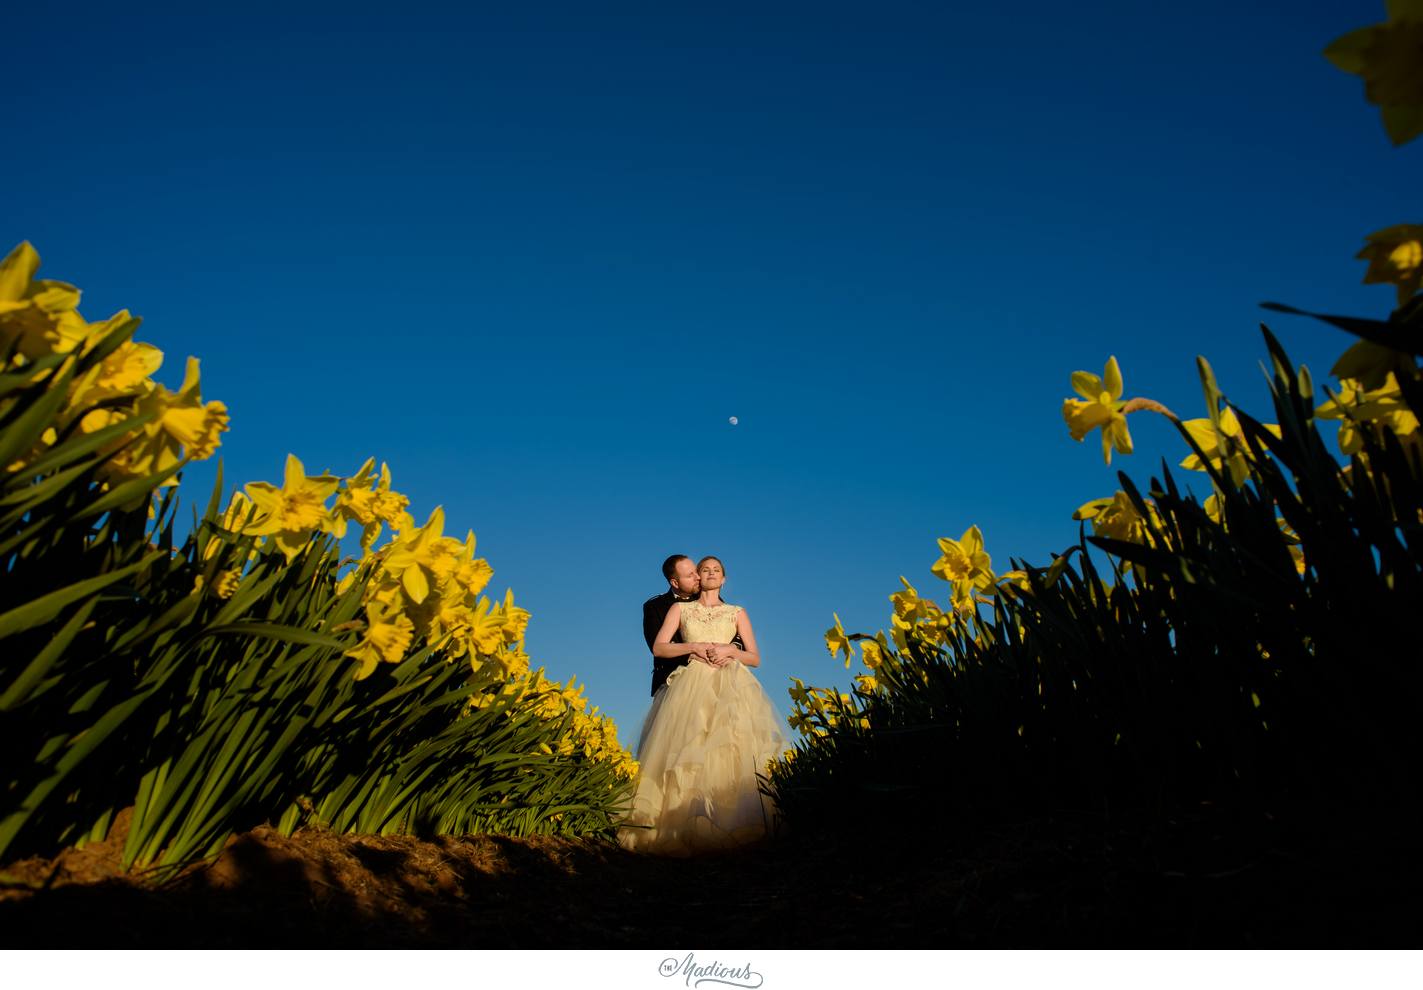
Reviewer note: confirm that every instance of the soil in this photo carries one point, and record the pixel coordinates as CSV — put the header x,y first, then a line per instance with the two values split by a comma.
x,y
1056,881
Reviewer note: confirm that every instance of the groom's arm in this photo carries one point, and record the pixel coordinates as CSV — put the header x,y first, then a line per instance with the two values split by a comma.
x,y
654,610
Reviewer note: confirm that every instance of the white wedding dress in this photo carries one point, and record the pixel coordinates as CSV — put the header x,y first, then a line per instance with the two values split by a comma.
x,y
710,730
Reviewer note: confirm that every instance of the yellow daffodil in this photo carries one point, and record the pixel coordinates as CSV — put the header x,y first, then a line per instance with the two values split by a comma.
x,y
965,560
186,419
129,367
1116,518
232,520
1386,57
125,372
516,619
871,654
1395,254
355,501
799,695
1055,569
386,591
512,661
1345,406
471,573
450,622
1015,579
369,507
573,696
290,514
387,638
234,517
909,607
390,507
1355,406
225,584
423,554
962,599
1224,446
836,640
487,629
1212,506
1100,406
185,428
38,317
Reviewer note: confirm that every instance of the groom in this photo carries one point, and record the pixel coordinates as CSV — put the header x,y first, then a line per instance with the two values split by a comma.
x,y
684,584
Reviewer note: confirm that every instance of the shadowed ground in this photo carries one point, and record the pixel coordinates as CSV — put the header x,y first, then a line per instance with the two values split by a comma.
x,y
1063,881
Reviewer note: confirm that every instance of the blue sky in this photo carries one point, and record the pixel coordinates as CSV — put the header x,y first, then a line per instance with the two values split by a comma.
x,y
535,260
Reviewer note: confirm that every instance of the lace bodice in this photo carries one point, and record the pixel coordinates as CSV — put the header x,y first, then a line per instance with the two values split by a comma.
x,y
701,624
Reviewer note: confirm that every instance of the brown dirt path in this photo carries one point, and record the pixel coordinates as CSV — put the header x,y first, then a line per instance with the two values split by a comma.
x,y
1059,881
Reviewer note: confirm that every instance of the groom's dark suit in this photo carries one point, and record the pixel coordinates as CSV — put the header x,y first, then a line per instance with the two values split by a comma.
x,y
654,613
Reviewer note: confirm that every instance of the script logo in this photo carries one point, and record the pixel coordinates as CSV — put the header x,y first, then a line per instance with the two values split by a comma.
x,y
695,975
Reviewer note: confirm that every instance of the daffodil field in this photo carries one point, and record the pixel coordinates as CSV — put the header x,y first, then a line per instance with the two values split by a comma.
x,y
1252,651
248,672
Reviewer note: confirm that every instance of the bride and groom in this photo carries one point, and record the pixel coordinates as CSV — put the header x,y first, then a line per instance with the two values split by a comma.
x,y
711,727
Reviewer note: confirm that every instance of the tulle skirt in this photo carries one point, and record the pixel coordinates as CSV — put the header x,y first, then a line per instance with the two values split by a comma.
x,y
708,733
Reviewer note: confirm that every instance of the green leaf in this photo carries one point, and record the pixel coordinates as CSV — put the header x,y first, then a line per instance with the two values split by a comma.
x,y
129,492
85,443
285,634
1396,336
19,689
1209,387
46,607
18,437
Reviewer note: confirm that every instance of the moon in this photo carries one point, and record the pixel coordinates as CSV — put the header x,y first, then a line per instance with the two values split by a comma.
x,y
733,421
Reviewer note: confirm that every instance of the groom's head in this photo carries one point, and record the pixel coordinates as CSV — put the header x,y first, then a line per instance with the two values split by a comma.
x,y
681,574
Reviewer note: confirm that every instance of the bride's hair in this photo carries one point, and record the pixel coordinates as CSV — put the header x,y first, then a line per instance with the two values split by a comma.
x,y
717,559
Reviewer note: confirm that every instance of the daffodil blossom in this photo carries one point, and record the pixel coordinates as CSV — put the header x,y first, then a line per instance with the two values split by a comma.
x,y
1117,518
182,427
1385,55
965,560
516,619
1395,255
1355,406
836,640
1224,446
422,554
487,629
291,513
1100,406
871,654
387,638
38,317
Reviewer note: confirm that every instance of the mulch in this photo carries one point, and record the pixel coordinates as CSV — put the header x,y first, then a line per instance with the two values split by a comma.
x,y
1054,881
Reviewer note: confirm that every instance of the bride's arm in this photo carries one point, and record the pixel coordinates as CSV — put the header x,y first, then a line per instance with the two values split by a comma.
x,y
749,656
663,646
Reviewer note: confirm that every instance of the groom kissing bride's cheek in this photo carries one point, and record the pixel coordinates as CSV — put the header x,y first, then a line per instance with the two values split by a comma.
x,y
711,726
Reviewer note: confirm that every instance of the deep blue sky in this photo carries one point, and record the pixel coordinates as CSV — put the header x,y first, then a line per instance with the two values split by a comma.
x,y
535,260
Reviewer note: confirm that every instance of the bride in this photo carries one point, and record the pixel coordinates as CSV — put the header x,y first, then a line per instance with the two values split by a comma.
x,y
710,729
